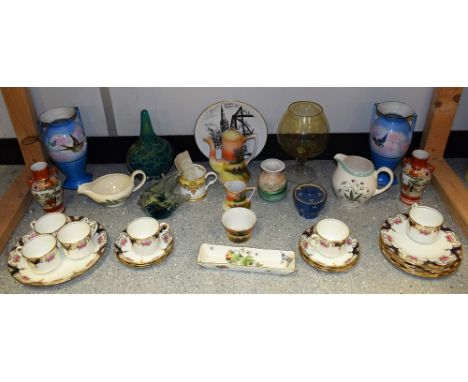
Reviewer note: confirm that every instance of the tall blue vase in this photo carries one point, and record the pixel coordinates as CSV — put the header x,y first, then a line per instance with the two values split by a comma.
x,y
65,139
391,130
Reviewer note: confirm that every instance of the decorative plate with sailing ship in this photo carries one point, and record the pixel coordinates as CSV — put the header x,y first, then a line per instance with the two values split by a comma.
x,y
224,115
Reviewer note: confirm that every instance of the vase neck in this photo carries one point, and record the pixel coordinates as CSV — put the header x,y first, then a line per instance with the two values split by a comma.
x,y
40,170
146,128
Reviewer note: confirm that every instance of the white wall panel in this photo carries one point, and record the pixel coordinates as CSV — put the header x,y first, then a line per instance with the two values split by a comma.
x,y
175,110
87,99
6,128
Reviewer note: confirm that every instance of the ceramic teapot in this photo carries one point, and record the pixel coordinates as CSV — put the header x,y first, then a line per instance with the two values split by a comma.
x,y
232,165
355,179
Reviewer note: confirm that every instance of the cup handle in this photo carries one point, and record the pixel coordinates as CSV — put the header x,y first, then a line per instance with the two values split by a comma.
x,y
387,186
254,137
33,223
139,185
211,181
123,240
314,239
253,189
163,227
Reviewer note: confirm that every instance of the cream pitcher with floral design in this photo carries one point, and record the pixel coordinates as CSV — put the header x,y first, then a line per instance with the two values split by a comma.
x,y
355,179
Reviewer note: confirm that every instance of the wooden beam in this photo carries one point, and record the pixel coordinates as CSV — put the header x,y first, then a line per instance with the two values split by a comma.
x,y
439,120
15,201
452,191
13,205
24,120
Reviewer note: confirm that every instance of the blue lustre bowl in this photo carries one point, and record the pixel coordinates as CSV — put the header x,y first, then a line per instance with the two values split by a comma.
x,y
309,199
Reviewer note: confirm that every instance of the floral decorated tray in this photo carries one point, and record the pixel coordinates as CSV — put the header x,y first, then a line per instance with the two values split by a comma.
x,y
427,260
68,269
246,259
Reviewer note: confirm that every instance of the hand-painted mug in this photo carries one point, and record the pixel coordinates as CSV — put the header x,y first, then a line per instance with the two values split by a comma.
x,y
239,223
193,182
76,239
144,234
424,224
41,253
329,236
236,194
49,223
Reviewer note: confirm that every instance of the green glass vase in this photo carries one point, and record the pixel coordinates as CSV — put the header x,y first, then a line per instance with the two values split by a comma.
x,y
149,153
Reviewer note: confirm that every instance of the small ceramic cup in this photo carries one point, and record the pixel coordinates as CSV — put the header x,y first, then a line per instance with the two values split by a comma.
x,y
239,223
76,240
144,234
41,253
424,224
309,199
49,223
193,182
236,194
329,236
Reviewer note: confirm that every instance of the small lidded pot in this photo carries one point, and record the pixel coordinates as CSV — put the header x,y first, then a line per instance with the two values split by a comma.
x,y
272,183
309,199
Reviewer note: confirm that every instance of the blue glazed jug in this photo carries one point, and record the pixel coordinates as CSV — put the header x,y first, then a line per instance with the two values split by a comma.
x,y
391,130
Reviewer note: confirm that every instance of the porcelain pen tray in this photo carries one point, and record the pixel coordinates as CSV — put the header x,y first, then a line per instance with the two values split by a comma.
x,y
246,259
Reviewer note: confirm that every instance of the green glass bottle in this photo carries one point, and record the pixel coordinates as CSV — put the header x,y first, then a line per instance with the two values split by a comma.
x,y
149,153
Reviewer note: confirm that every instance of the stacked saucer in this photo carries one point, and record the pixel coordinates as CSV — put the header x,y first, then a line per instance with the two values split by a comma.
x,y
433,260
340,260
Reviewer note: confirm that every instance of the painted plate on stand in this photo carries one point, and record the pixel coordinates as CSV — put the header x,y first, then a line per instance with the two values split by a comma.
x,y
68,269
223,115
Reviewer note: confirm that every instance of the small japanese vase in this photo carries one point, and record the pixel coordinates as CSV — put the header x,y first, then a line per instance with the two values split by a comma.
x,y
391,130
415,176
149,153
355,180
46,187
272,183
65,139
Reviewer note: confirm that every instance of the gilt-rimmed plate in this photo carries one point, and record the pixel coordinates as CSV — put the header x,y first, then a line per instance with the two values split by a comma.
x,y
68,269
427,260
223,115
346,257
125,254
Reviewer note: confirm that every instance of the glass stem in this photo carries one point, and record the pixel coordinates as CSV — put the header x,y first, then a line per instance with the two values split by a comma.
x,y
300,162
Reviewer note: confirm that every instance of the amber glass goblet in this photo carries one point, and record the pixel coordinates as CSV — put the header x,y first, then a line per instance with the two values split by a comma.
x,y
303,133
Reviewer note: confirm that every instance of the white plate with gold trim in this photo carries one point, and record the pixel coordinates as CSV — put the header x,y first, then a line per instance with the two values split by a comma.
x,y
443,252
345,259
125,254
68,269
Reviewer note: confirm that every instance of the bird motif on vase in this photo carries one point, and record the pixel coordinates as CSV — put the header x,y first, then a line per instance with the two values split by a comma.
x,y
379,141
76,147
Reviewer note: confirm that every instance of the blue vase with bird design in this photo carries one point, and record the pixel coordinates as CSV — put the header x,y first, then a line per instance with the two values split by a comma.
x,y
65,139
391,130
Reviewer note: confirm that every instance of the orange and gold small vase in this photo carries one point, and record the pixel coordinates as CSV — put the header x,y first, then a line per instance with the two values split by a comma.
x,y
46,187
416,174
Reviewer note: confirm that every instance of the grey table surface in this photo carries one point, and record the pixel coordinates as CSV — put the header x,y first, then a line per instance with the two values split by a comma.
x,y
278,227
